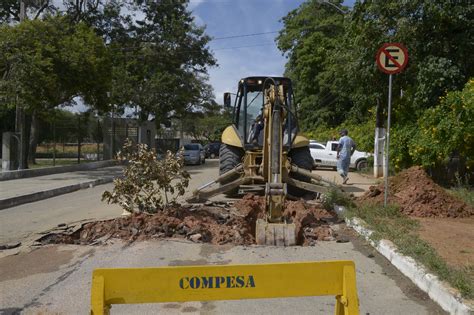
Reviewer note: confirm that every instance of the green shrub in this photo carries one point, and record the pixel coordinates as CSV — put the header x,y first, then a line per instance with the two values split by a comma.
x,y
148,184
446,129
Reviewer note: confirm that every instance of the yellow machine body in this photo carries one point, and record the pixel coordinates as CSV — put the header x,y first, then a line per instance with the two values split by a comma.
x,y
265,163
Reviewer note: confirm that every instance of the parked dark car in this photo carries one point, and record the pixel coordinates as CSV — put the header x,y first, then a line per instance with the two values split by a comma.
x,y
212,150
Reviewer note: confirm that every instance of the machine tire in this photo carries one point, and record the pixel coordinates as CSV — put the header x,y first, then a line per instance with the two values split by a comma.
x,y
229,158
302,158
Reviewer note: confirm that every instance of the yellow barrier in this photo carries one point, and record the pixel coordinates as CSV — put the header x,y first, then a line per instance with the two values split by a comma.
x,y
231,282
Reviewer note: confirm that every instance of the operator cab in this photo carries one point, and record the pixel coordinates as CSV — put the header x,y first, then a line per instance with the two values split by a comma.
x,y
248,105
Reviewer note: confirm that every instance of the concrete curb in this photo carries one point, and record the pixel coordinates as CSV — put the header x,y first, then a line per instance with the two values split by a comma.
x,y
439,292
19,200
9,175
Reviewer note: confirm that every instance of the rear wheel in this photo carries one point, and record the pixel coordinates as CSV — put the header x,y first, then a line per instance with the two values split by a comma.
x,y
361,165
300,157
229,158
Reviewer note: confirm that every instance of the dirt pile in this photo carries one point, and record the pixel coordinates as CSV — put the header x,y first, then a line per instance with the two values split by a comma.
x,y
311,220
209,224
418,196
215,224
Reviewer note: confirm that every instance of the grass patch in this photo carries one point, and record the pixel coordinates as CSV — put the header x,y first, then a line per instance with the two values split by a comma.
x,y
389,223
336,197
463,193
70,148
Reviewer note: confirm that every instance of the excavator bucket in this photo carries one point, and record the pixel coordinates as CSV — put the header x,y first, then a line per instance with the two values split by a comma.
x,y
277,234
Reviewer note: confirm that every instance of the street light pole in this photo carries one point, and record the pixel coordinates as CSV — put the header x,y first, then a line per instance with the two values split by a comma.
x,y
333,5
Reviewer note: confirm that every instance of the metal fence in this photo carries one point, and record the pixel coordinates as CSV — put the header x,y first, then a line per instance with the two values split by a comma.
x,y
69,140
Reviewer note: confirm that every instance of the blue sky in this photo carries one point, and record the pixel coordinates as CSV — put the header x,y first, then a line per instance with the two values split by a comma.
x,y
236,17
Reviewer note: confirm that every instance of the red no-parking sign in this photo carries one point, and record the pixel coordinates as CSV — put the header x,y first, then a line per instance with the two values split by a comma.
x,y
392,58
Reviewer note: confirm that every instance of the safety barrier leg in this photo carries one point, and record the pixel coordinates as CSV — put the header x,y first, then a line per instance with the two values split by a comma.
x,y
97,297
347,303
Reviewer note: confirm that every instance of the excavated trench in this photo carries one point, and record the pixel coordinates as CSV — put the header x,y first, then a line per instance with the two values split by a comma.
x,y
216,223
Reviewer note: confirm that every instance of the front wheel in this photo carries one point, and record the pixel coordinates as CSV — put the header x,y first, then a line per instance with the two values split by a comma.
x,y
229,158
302,158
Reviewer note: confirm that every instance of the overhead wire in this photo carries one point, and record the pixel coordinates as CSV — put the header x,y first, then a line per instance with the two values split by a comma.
x,y
243,35
245,46
216,39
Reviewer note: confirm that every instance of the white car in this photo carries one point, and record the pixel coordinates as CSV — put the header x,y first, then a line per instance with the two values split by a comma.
x,y
326,155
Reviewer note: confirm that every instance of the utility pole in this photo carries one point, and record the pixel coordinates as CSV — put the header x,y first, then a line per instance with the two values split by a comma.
x,y
112,142
379,142
22,11
19,114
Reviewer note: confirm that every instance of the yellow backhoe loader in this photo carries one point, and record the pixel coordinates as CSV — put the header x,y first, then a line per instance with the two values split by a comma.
x,y
262,152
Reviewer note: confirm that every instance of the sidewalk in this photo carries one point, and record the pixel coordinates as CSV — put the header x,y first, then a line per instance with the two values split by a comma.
x,y
357,183
25,190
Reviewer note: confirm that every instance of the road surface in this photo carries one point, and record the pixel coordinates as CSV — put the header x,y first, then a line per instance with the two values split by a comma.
x,y
56,279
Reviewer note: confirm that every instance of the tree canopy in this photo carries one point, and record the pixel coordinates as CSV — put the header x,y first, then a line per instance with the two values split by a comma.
x,y
331,57
46,63
149,56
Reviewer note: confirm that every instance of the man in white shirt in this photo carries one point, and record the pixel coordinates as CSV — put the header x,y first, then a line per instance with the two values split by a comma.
x,y
345,149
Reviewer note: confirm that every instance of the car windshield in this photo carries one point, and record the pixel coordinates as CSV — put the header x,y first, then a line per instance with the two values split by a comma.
x,y
191,147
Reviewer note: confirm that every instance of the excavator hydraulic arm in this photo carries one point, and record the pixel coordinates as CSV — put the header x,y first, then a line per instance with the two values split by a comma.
x,y
273,230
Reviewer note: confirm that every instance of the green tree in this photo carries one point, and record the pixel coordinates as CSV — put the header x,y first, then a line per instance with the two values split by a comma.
x,y
332,60
309,39
208,123
48,63
10,10
438,36
161,66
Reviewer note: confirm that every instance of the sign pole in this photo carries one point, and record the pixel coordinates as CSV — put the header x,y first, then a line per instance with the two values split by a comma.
x,y
391,58
388,138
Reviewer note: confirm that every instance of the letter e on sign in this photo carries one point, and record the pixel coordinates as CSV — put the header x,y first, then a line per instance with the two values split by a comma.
x,y
392,58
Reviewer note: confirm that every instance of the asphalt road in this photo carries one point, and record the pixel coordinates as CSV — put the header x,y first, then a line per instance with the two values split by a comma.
x,y
23,223
56,279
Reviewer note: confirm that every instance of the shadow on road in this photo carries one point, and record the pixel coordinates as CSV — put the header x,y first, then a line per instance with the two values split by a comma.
x,y
204,168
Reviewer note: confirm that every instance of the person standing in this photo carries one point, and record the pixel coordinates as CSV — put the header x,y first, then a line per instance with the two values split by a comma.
x,y
345,149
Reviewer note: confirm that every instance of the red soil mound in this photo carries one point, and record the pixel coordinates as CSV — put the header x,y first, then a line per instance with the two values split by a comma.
x,y
418,196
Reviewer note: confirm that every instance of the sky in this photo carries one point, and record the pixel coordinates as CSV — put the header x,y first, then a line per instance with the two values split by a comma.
x,y
240,17
224,18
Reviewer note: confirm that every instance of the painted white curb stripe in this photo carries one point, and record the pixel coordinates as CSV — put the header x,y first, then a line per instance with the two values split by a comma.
x,y
438,291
